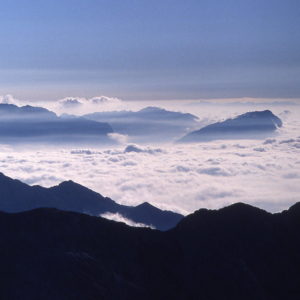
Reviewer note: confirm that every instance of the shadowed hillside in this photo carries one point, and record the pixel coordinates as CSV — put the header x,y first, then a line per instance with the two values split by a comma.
x,y
239,252
17,196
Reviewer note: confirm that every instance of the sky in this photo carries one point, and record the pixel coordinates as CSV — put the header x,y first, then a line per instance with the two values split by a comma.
x,y
150,50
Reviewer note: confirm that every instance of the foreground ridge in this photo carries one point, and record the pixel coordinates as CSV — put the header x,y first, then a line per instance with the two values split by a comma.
x,y
238,252
17,196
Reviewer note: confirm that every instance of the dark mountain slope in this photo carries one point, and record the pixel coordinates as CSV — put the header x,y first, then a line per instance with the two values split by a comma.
x,y
49,254
245,252
17,196
239,252
255,124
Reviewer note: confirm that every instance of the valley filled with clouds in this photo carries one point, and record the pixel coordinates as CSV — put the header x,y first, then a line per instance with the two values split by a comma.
x,y
179,177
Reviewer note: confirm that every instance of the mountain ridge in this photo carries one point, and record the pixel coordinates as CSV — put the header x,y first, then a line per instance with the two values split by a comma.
x,y
37,124
256,124
68,195
53,254
150,123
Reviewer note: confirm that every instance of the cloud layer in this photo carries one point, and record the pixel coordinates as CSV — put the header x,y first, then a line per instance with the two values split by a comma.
x,y
84,105
71,105
183,178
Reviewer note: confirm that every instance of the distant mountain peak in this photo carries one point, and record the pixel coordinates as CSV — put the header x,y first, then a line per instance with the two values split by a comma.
x,y
37,124
255,124
145,204
68,182
17,196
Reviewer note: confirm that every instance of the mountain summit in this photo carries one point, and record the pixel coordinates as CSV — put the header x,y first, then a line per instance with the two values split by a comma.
x,y
256,124
17,196
148,124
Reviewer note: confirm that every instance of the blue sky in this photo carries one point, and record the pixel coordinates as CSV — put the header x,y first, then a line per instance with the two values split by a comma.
x,y
141,49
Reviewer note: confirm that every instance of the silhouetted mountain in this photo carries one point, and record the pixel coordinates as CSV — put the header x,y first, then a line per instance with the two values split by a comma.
x,y
17,196
238,252
28,123
149,123
257,124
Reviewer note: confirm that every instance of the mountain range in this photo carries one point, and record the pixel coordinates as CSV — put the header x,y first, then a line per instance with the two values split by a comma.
x,y
148,124
17,196
238,252
256,124
37,124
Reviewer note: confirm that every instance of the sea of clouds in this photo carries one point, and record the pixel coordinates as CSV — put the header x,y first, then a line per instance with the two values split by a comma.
x,y
182,178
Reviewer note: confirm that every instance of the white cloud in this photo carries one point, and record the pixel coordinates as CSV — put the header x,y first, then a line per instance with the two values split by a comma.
x,y
70,103
79,105
119,218
180,177
119,138
104,100
9,99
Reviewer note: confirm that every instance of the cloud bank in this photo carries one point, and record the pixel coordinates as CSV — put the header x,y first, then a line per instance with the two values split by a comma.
x,y
77,105
71,105
182,178
9,99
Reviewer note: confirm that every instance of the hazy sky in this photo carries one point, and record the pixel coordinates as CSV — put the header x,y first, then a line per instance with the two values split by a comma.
x,y
141,49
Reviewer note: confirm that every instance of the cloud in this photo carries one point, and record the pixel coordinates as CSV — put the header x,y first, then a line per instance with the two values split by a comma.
x,y
214,172
119,138
83,151
9,99
70,103
259,149
269,141
174,177
79,105
288,141
104,100
180,177
136,149
293,175
120,218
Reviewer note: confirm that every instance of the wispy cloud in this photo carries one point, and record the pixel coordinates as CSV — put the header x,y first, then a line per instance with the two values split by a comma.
x,y
79,105
119,218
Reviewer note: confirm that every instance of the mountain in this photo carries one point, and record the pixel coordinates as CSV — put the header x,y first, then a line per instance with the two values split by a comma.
x,y
238,252
17,196
36,124
150,123
257,124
